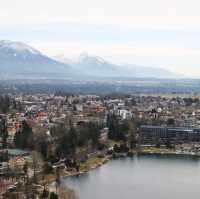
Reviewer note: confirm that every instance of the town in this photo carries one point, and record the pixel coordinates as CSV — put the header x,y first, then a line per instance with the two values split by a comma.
x,y
46,136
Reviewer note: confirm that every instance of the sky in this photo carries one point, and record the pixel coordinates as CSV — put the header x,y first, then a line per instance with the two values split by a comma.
x,y
156,33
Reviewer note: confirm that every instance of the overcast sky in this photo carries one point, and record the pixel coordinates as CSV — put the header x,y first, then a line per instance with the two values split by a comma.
x,y
158,33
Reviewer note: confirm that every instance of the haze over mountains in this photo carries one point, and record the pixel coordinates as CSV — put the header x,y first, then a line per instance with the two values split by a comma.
x,y
18,60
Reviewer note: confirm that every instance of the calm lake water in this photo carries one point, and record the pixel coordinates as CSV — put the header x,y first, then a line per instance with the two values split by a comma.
x,y
141,177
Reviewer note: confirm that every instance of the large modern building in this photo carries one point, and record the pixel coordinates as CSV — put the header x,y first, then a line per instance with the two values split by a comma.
x,y
178,134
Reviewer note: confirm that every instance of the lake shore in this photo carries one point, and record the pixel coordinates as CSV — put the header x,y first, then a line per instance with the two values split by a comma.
x,y
116,179
95,162
90,164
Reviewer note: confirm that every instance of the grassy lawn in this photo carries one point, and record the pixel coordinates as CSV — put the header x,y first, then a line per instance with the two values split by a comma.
x,y
91,163
111,143
156,150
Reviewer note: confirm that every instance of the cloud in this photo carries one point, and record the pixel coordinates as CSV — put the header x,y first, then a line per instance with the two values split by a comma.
x,y
169,14
146,32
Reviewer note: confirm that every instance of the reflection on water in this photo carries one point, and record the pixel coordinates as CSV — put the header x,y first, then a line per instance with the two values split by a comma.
x,y
141,177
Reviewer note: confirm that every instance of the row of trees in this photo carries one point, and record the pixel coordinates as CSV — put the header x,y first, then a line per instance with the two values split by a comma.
x,y
70,138
65,139
122,130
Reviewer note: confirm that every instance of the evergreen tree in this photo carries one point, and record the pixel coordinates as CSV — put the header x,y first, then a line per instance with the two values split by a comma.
x,y
17,139
44,148
23,137
26,135
94,133
4,137
3,132
72,139
63,147
117,129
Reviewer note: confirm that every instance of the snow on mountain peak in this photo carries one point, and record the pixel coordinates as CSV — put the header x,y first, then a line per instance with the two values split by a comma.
x,y
18,46
84,57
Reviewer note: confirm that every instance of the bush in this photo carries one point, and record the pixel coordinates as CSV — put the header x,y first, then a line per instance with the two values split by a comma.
x,y
48,168
53,195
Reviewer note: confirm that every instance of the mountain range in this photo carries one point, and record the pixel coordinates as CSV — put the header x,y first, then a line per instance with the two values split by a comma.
x,y
19,60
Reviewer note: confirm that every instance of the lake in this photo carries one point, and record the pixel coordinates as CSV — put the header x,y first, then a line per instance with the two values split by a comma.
x,y
141,177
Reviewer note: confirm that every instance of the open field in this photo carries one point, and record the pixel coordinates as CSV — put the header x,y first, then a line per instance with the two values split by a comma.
x,y
171,95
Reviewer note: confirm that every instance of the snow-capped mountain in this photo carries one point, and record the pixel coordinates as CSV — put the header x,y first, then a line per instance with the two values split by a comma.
x,y
21,60
63,59
17,46
96,66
